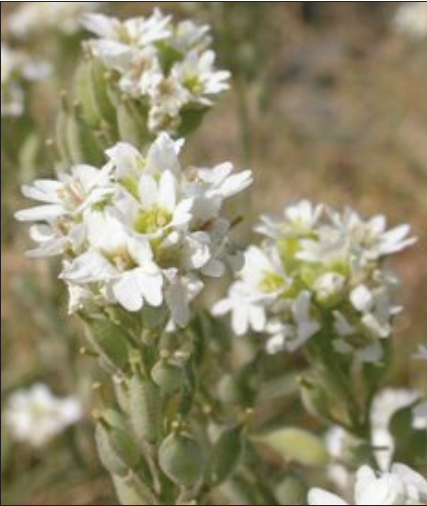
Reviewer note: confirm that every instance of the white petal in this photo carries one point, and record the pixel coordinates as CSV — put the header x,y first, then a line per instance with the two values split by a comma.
x,y
148,192
140,251
127,293
362,298
163,156
44,191
411,477
151,287
320,497
222,307
41,213
167,191
101,25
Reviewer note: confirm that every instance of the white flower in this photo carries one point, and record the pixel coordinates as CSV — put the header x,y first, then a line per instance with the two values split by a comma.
x,y
299,220
189,36
401,485
262,281
385,406
36,17
336,281
411,19
166,67
140,231
247,314
300,326
198,75
35,416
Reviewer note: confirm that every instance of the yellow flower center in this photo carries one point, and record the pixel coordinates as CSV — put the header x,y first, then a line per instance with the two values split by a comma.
x,y
150,222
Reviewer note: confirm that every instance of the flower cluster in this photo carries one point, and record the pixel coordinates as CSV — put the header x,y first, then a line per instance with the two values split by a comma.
x,y
36,416
401,485
318,271
140,230
167,68
36,17
411,19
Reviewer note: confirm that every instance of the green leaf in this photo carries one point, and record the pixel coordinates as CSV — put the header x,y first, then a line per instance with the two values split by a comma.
x,y
109,340
226,456
296,445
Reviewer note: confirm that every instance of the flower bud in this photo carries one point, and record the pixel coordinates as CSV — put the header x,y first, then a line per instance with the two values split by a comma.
x,y
181,459
329,289
83,145
85,94
131,123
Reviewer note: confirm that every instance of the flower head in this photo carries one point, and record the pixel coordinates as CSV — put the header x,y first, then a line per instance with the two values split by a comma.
x,y
138,231
36,416
167,68
319,271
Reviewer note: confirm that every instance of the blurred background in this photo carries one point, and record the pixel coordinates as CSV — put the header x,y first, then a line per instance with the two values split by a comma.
x,y
328,103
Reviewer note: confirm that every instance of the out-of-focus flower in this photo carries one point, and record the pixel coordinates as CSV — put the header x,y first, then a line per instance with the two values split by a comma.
x,y
12,97
401,485
411,19
337,441
385,406
34,18
15,70
319,270
139,231
422,353
167,68
35,416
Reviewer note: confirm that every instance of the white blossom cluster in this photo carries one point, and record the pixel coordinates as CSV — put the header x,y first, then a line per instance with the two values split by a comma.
x,y
318,271
411,19
399,485
167,67
34,18
35,416
140,230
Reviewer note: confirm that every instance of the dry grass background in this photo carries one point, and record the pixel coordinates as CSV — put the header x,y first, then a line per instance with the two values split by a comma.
x,y
336,111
